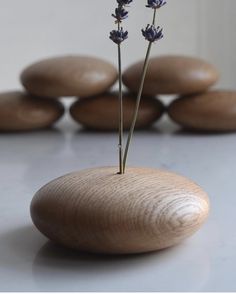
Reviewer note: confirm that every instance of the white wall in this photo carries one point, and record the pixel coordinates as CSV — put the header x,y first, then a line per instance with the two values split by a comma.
x,y
34,29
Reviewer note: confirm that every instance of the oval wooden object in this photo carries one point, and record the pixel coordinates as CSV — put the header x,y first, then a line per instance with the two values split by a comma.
x,y
101,112
210,111
20,111
97,210
69,76
172,75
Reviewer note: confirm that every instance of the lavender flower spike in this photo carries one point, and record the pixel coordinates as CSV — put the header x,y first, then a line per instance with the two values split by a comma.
x,y
152,33
120,14
118,36
156,4
124,2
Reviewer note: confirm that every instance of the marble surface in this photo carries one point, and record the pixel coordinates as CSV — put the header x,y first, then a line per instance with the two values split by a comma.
x,y
28,262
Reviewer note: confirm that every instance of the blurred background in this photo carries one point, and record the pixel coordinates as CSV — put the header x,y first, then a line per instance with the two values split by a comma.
x,y
32,29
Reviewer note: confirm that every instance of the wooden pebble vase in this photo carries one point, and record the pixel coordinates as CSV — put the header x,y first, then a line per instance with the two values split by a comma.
x,y
99,211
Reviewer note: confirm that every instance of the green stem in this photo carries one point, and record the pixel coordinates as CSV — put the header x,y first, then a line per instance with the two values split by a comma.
x,y
154,17
143,76
144,72
121,127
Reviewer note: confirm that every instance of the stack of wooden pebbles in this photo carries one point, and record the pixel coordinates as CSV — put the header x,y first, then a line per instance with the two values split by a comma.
x,y
89,79
47,81
96,107
196,108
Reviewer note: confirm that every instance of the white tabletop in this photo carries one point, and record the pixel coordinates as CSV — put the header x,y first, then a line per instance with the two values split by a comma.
x,y
28,262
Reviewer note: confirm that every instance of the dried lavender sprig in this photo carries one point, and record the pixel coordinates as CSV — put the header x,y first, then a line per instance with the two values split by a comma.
x,y
120,14
121,114
156,4
152,34
124,2
118,36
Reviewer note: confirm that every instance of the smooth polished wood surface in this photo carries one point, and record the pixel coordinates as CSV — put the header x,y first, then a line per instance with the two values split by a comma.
x,y
72,75
97,210
20,111
100,112
170,74
211,111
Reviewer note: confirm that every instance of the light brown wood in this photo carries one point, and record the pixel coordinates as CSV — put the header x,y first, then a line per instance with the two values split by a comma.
x,y
211,111
20,111
69,76
172,74
97,210
100,112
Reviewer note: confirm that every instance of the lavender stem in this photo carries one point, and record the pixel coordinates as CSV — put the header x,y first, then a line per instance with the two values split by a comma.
x,y
143,76
121,128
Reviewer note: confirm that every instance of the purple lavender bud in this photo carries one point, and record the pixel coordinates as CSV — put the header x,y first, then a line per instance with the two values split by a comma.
x,y
156,4
152,33
120,14
124,2
118,36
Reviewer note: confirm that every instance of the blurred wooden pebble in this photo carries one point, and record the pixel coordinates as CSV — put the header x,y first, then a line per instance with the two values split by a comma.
x,y
172,75
210,111
22,112
101,112
69,76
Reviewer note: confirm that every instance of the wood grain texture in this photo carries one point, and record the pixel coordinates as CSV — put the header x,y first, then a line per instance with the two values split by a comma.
x,y
211,111
97,210
100,112
20,111
69,76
